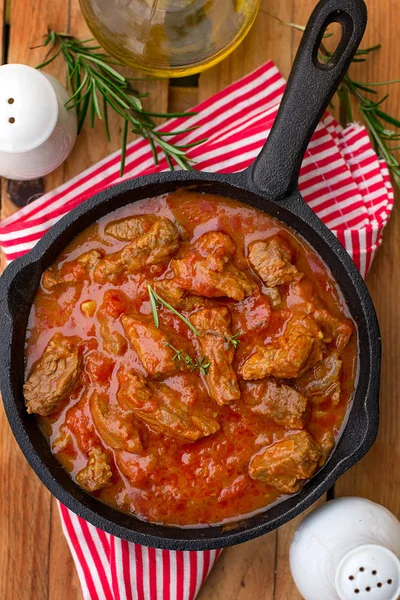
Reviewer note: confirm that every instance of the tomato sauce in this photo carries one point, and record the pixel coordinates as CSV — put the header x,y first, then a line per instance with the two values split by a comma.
x,y
173,481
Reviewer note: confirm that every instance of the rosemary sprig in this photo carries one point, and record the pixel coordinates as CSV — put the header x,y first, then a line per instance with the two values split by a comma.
x,y
155,298
191,363
376,120
232,340
96,87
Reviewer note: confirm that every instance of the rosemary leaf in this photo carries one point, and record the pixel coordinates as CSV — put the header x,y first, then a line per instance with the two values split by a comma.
x,y
154,151
95,100
380,83
105,119
361,51
364,88
123,148
172,309
48,61
83,112
94,81
153,306
388,119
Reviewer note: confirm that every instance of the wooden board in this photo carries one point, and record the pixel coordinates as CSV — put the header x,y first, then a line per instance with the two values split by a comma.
x,y
35,563
2,30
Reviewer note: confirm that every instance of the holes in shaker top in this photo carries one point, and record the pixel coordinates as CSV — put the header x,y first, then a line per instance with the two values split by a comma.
x,y
356,591
390,581
379,585
367,589
361,569
351,578
374,572
10,101
11,120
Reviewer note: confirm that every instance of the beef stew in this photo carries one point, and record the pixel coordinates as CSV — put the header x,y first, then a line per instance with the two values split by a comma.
x,y
191,359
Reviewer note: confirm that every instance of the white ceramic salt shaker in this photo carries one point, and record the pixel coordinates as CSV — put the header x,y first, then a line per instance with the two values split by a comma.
x,y
37,132
348,549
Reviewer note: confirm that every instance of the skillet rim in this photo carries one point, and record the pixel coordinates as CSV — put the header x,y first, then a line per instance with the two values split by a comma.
x,y
62,232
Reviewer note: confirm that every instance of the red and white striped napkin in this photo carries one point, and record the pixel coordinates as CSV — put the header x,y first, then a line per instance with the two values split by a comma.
x,y
342,179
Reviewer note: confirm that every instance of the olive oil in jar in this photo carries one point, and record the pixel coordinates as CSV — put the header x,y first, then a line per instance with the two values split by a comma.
x,y
170,38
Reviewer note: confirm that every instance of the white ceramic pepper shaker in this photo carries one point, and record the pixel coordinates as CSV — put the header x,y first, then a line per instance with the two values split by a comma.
x,y
37,132
348,549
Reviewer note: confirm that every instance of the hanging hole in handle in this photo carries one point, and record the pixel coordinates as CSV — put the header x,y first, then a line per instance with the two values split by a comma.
x,y
11,120
10,101
329,46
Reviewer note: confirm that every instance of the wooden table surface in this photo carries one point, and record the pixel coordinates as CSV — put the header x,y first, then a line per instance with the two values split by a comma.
x,y
35,563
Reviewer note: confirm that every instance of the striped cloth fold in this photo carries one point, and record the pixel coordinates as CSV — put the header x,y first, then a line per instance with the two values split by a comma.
x,y
344,182
113,569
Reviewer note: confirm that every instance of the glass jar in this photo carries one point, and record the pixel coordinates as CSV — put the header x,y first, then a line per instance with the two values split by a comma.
x,y
170,38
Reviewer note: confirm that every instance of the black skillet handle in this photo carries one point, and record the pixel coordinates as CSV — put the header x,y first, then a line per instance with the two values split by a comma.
x,y
310,88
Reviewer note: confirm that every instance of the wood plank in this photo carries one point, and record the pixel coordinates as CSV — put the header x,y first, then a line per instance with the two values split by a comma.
x,y
377,476
243,572
2,29
181,99
25,519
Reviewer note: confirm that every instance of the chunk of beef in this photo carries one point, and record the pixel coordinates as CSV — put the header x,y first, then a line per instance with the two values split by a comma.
x,y
97,474
64,441
287,464
273,295
115,426
152,247
296,351
272,262
322,382
163,409
252,314
326,444
114,305
53,377
334,330
209,271
71,272
130,228
151,344
90,259
172,293
215,245
135,392
214,325
113,341
281,403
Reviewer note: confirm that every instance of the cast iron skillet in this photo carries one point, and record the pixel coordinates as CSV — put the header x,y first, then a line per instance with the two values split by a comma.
x,y
270,184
